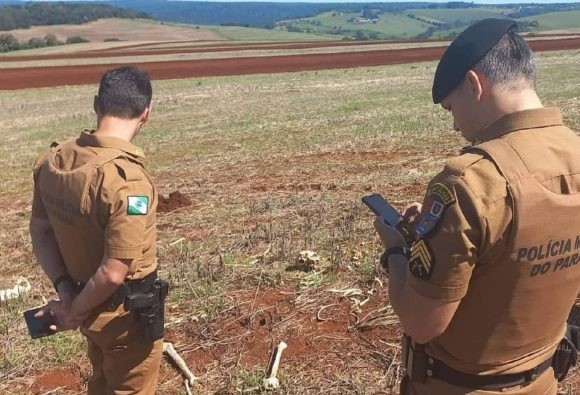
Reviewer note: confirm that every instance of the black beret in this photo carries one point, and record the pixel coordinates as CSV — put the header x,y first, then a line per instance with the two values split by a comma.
x,y
465,52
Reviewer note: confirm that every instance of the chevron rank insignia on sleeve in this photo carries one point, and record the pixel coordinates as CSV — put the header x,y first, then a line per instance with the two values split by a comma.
x,y
421,262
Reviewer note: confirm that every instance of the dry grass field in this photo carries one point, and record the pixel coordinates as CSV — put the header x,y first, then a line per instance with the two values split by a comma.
x,y
272,165
121,29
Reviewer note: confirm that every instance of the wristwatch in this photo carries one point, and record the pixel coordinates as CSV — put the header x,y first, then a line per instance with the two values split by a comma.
x,y
61,279
398,250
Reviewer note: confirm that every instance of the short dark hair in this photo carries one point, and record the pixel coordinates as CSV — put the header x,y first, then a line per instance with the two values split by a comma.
x,y
124,92
509,63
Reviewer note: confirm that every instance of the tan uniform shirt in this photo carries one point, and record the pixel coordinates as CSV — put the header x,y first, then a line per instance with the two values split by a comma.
x,y
513,267
100,202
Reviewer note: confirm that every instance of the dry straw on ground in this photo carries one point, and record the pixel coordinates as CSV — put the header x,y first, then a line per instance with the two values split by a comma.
x,y
273,165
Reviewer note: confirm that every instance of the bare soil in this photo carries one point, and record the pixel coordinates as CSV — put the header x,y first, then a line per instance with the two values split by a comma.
x,y
330,334
34,77
172,202
62,379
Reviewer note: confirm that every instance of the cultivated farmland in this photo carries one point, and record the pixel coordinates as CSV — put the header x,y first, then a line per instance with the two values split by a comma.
x,y
557,20
257,169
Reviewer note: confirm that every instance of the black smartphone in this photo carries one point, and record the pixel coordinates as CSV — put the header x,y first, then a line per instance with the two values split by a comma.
x,y
382,208
38,326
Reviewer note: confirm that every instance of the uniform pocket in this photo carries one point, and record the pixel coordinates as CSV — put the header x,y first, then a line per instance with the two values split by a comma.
x,y
110,329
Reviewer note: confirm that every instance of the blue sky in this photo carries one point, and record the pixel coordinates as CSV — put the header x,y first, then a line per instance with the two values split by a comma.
x,y
366,1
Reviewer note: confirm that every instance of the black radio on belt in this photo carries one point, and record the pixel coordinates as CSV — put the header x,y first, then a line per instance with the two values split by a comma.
x,y
150,310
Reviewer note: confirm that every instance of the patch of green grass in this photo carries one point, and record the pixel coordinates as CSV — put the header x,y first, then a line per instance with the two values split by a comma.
x,y
64,346
460,15
556,20
367,268
239,33
250,382
388,25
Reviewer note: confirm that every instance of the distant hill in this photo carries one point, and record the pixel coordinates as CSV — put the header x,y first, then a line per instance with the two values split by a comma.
x,y
247,14
356,20
434,21
46,13
344,20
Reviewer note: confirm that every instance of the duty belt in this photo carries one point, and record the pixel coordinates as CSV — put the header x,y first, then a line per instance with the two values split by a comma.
x,y
141,285
419,366
439,370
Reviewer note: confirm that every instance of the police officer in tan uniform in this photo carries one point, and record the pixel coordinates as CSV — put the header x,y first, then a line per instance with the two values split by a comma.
x,y
93,230
485,291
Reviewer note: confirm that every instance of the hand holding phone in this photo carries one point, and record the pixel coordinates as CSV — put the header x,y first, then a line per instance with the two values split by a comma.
x,y
39,326
382,208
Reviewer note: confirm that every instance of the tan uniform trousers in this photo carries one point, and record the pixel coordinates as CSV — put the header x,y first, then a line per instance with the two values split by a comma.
x,y
545,384
122,365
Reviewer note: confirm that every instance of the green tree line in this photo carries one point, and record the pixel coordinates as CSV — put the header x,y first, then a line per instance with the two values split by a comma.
x,y
39,14
10,43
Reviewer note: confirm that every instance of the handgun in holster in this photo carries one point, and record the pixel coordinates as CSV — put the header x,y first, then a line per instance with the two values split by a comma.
x,y
149,308
566,354
414,359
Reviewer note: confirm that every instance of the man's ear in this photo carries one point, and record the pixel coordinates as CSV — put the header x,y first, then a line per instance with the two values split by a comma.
x,y
96,104
144,118
476,84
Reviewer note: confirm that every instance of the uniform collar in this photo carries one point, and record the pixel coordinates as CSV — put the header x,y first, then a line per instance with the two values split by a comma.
x,y
527,119
90,139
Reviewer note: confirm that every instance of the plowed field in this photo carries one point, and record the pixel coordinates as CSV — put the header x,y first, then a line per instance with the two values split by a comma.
x,y
33,77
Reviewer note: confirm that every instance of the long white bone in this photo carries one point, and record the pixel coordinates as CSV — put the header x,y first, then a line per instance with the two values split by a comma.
x,y
169,350
272,382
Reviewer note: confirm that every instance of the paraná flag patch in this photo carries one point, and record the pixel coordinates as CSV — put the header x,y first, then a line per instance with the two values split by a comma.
x,y
438,198
137,205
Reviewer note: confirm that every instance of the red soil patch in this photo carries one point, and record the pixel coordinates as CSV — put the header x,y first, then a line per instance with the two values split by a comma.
x,y
313,326
63,379
34,77
174,201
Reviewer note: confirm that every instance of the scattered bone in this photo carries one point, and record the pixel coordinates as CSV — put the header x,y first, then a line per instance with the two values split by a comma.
x,y
357,296
307,261
347,292
22,286
169,350
187,387
177,241
272,382
248,390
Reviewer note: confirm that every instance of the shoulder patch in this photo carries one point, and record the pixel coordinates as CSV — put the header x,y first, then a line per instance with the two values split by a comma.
x,y
137,205
421,262
438,198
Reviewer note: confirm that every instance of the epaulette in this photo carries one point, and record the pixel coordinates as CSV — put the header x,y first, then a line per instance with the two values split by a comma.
x,y
458,165
129,170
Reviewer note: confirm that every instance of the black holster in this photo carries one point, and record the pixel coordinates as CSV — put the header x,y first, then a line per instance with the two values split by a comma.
x,y
414,359
149,308
567,352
